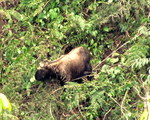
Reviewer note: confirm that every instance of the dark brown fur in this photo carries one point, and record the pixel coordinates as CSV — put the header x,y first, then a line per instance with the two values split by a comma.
x,y
68,67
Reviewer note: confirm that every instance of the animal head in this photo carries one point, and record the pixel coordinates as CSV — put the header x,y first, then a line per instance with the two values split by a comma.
x,y
43,72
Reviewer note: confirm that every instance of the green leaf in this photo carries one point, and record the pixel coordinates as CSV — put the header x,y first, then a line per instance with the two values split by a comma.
x,y
53,13
114,60
123,59
17,15
39,9
4,102
106,29
32,79
92,42
110,1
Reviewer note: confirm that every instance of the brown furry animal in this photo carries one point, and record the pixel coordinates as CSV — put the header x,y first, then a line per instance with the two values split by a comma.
x,y
68,67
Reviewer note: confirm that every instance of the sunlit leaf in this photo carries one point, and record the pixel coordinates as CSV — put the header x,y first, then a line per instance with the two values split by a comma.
x,y
114,60
17,15
106,29
32,79
5,102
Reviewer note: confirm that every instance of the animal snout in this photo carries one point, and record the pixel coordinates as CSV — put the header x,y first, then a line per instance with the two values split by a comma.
x,y
41,74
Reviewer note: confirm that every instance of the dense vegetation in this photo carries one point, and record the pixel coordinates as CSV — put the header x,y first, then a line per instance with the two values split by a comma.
x,y
116,32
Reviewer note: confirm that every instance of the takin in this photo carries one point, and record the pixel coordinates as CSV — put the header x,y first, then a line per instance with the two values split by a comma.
x,y
67,68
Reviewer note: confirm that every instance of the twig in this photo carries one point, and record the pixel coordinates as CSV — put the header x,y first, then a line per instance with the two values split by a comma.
x,y
107,113
110,55
146,102
56,90
123,103
81,113
51,112
84,76
138,93
85,14
116,102
70,86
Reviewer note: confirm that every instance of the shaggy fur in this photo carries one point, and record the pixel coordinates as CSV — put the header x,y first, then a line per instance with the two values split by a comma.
x,y
68,67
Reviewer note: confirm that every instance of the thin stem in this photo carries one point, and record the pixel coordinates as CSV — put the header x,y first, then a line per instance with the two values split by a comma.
x,y
110,55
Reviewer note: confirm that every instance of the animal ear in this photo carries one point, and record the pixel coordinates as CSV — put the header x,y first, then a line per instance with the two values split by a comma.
x,y
41,64
66,49
44,64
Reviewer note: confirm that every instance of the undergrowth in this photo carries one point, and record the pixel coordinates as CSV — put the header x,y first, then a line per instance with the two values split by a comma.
x,y
115,32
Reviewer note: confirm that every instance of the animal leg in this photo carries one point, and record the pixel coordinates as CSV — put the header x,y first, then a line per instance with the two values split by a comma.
x,y
88,71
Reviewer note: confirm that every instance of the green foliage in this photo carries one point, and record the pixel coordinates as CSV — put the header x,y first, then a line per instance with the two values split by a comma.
x,y
4,103
37,29
138,54
5,106
96,98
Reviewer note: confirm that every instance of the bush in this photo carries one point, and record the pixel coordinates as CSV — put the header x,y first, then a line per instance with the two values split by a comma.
x,y
115,32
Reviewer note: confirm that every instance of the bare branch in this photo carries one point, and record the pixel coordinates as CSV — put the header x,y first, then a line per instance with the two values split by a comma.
x,y
107,113
110,55
122,103
138,93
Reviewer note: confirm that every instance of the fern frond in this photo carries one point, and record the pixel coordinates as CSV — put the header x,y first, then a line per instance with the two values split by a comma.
x,y
139,63
137,55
